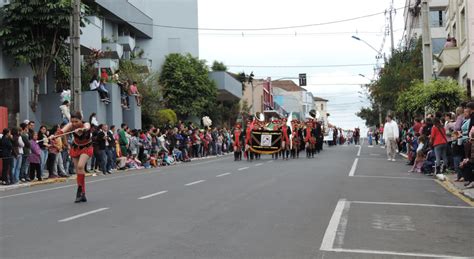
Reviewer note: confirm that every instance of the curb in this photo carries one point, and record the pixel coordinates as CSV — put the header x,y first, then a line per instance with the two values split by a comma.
x,y
34,183
74,177
450,187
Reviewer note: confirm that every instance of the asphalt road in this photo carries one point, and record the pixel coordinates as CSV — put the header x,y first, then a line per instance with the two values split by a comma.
x,y
348,202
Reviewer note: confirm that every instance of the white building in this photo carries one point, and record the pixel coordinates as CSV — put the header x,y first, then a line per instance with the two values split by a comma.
x,y
321,105
293,98
412,17
457,62
126,29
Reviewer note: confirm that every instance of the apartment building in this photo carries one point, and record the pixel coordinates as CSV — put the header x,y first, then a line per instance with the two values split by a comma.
x,y
136,30
437,17
456,61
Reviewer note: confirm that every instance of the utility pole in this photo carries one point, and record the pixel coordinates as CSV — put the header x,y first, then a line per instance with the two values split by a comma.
x,y
76,56
391,29
426,36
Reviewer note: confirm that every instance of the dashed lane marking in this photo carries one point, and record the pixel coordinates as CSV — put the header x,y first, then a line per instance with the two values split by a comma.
x,y
224,174
152,195
196,182
354,167
82,215
243,168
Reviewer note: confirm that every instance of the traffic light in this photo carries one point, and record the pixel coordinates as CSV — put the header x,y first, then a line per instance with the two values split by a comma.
x,y
302,78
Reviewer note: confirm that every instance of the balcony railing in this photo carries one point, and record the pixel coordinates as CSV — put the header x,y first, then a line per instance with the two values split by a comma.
x,y
128,42
112,50
450,61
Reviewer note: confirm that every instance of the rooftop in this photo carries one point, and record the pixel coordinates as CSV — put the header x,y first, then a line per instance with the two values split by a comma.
x,y
288,85
319,99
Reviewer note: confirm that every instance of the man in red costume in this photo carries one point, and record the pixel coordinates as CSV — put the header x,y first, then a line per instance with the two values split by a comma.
x,y
237,142
285,139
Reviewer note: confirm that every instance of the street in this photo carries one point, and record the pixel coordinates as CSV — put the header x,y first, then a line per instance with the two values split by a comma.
x,y
348,202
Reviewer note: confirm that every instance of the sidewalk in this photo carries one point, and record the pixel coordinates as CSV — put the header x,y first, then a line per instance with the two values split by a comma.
x,y
457,188
73,177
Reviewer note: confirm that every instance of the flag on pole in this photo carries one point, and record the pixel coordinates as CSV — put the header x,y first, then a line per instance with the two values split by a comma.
x,y
288,123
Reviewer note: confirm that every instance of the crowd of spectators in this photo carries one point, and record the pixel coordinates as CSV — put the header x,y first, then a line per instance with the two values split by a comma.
x,y
29,155
440,143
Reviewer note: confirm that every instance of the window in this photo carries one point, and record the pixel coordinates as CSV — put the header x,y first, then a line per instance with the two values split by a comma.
x,y
322,107
462,33
438,44
455,31
437,18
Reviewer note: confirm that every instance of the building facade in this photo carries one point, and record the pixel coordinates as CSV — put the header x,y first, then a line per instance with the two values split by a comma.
x,y
456,61
437,17
124,29
258,95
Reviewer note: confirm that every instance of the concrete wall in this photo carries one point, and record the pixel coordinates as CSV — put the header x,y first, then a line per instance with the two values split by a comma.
x,y
226,83
165,40
133,117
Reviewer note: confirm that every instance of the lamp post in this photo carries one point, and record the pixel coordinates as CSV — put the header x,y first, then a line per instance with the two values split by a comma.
x,y
366,43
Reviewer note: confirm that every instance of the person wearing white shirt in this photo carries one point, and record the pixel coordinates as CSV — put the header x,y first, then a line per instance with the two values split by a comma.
x,y
390,135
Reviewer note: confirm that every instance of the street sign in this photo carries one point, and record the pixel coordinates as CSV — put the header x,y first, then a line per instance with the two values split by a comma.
x,y
302,78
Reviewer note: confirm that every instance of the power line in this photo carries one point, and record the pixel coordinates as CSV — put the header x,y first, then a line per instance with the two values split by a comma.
x,y
300,66
259,29
295,34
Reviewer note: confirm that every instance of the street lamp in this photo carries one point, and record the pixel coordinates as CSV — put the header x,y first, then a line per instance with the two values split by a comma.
x,y
379,56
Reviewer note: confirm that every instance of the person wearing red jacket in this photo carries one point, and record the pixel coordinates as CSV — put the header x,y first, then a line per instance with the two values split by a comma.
x,y
237,143
440,145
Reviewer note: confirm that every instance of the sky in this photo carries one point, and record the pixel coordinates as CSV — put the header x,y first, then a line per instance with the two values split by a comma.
x,y
284,53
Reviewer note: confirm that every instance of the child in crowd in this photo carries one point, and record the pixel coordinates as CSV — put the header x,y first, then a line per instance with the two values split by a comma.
x,y
418,164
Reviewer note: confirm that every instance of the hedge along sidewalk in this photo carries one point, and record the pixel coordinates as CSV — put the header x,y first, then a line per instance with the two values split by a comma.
x,y
73,177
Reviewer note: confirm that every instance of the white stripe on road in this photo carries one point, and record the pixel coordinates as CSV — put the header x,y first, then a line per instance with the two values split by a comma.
x,y
360,148
354,167
259,164
412,204
331,231
394,177
82,215
243,168
152,195
196,182
362,251
71,185
224,174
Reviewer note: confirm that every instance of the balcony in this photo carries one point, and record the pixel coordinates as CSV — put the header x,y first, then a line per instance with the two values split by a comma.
x,y
112,50
127,42
450,61
113,64
91,33
229,89
143,62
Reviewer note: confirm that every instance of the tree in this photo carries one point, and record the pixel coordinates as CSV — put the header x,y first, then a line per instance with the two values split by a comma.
x,y
165,117
187,88
218,66
149,89
439,95
403,67
34,33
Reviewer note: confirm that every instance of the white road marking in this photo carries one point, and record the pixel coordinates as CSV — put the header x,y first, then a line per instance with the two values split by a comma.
x,y
394,177
196,182
71,185
393,222
354,167
412,204
362,251
331,231
358,152
224,174
152,195
82,215
259,164
243,168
